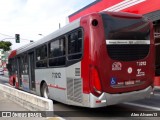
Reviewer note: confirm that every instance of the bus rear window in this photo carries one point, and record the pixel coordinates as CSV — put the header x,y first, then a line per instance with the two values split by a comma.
x,y
117,28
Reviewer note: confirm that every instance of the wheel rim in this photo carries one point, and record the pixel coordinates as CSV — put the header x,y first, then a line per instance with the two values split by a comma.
x,y
45,93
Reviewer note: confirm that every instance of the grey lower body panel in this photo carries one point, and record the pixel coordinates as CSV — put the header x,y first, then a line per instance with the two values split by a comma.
x,y
110,99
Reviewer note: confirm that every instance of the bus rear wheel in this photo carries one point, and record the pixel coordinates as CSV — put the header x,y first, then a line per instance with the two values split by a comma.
x,y
45,92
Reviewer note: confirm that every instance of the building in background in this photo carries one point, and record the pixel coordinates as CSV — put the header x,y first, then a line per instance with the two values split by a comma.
x,y
148,8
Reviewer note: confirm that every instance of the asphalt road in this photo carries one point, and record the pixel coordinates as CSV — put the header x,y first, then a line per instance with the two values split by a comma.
x,y
138,110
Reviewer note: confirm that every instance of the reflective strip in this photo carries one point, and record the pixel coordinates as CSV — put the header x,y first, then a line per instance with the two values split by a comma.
x,y
114,42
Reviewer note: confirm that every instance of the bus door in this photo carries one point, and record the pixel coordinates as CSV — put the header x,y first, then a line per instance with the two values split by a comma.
x,y
19,72
31,71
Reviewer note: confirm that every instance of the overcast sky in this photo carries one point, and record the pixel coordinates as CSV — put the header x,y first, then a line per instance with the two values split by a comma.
x,y
32,17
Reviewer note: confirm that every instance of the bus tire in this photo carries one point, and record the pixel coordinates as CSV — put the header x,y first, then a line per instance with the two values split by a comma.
x,y
44,90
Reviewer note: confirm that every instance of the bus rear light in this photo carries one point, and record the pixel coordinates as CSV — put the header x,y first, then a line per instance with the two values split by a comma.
x,y
95,80
98,101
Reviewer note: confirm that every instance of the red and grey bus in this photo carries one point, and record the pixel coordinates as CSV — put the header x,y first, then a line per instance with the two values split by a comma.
x,y
98,60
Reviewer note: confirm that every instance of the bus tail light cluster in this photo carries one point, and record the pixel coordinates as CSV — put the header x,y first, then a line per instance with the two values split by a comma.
x,y
95,82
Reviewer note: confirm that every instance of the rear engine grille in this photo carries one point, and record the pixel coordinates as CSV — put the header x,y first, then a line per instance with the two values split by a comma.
x,y
128,52
74,90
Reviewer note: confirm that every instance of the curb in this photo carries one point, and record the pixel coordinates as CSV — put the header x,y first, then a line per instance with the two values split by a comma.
x,y
29,101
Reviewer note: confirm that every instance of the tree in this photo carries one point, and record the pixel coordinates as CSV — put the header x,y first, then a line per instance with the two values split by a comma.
x,y
5,45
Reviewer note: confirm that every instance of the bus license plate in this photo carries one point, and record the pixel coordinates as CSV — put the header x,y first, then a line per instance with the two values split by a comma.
x,y
129,82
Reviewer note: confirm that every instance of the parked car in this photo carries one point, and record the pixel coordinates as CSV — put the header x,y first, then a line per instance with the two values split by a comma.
x,y
1,71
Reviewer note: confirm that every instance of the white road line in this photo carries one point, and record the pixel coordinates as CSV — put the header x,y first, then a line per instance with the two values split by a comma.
x,y
156,94
144,106
156,88
60,118
55,118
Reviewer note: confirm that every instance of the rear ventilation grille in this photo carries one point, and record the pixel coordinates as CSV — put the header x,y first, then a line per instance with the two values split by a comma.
x,y
74,90
77,71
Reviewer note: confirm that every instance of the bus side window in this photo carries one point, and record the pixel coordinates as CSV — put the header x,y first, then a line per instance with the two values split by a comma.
x,y
10,66
75,45
24,64
41,56
57,52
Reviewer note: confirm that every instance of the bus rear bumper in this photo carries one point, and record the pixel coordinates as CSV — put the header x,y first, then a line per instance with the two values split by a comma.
x,y
110,99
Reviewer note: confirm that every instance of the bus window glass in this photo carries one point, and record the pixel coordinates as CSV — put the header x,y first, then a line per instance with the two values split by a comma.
x,y
41,56
25,64
57,52
117,28
13,65
57,48
75,45
127,38
22,64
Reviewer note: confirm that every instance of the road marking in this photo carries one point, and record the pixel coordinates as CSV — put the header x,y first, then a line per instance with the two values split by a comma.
x,y
156,87
144,106
55,118
60,118
156,94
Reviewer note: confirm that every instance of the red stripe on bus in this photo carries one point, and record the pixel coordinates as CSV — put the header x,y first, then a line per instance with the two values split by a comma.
x,y
53,86
56,86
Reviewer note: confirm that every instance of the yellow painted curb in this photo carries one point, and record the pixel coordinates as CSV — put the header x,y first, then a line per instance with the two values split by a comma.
x,y
55,118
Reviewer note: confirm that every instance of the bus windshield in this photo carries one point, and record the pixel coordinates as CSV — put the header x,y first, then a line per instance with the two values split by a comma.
x,y
117,28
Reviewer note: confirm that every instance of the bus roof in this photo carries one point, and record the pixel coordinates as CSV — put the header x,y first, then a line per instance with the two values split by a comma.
x,y
61,31
71,26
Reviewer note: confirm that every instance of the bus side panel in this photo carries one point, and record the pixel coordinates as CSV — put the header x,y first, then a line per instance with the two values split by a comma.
x,y
74,84
65,84
55,78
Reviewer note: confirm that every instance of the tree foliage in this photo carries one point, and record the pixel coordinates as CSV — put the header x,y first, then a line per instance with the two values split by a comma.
x,y
5,45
